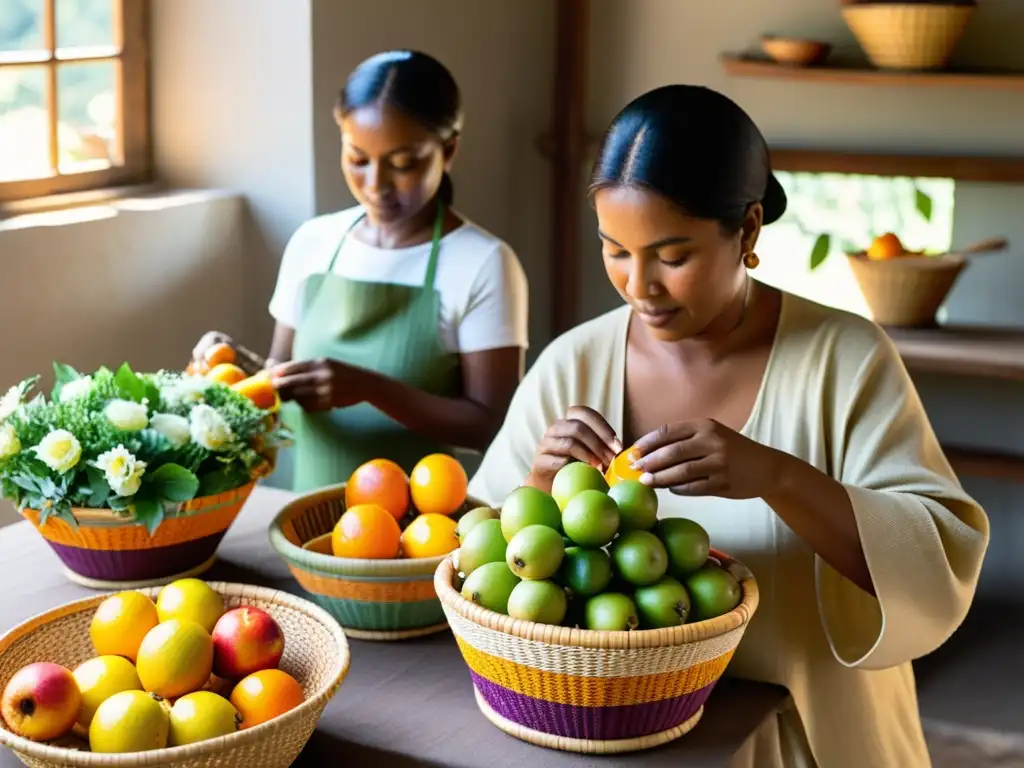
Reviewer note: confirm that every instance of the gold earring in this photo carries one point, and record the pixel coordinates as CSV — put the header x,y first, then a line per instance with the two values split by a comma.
x,y
750,260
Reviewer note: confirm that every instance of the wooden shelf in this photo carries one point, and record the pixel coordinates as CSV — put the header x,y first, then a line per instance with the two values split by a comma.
x,y
738,65
984,352
969,462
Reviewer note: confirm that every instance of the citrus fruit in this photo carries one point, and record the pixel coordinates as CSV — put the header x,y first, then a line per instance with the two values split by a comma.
x,y
484,544
366,531
525,506
264,695
535,552
199,716
429,535
227,374
129,721
120,623
175,658
585,571
220,353
490,586
438,485
190,599
611,612
713,592
687,544
574,478
381,482
665,603
620,469
259,389
887,246
591,519
638,505
100,678
469,520
540,601
639,557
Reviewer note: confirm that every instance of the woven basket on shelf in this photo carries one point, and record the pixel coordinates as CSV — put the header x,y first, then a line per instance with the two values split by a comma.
x,y
316,654
371,599
905,291
593,692
910,36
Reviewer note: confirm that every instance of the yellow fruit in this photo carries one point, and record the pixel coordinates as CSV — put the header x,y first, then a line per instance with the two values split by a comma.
x,y
430,535
190,599
100,678
226,373
887,246
130,721
120,623
175,658
202,715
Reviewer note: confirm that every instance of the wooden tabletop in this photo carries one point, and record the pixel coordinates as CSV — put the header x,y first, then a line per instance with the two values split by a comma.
x,y
403,705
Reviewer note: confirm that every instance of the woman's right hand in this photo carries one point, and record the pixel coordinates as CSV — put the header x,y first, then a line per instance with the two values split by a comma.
x,y
583,435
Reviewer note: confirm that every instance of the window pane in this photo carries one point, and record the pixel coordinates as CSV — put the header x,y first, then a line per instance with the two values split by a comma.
x,y
83,23
24,126
87,107
21,25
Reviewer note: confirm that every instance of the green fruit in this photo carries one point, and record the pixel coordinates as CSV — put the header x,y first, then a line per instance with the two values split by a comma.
x,y
540,601
713,592
639,557
574,478
586,572
490,586
665,603
687,544
525,506
535,552
591,519
484,544
611,612
469,520
638,505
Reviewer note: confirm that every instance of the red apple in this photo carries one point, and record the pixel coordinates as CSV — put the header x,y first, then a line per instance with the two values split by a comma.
x,y
246,640
41,701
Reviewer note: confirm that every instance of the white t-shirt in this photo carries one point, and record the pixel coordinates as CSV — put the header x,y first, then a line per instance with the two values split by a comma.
x,y
482,286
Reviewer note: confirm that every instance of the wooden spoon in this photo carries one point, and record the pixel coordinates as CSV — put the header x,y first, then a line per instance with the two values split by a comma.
x,y
990,245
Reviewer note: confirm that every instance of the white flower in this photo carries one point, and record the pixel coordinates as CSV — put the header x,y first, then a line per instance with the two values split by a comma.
x,y
75,388
126,415
59,450
9,442
174,428
208,428
186,390
122,470
10,402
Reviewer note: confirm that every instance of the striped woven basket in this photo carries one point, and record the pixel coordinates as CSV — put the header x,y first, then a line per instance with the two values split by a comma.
x,y
593,692
109,551
316,654
371,599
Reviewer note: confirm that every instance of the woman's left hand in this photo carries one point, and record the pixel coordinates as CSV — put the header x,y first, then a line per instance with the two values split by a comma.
x,y
321,384
705,458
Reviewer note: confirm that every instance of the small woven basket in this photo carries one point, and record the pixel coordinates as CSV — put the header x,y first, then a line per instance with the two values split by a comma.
x,y
593,692
316,654
908,36
906,291
110,551
371,599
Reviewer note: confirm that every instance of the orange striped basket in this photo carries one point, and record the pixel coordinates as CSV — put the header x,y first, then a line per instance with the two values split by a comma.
x,y
110,551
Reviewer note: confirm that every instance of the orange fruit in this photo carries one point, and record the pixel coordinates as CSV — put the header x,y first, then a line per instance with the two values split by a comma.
x,y
264,695
259,389
619,469
381,482
430,535
438,485
220,353
887,246
367,531
227,373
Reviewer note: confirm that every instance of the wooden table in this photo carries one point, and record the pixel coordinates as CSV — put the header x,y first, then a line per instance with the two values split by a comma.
x,y
403,704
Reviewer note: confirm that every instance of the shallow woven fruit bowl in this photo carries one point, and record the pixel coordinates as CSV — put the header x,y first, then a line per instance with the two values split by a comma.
x,y
109,551
371,599
594,692
316,654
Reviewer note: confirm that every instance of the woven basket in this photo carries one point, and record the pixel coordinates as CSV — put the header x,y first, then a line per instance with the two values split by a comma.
x,y
316,654
906,291
593,692
371,599
908,36
109,551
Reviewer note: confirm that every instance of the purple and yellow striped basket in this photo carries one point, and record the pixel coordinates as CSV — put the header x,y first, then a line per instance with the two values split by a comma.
x,y
593,692
108,551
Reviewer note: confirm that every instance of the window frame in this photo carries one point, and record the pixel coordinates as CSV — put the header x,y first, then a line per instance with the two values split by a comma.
x,y
131,54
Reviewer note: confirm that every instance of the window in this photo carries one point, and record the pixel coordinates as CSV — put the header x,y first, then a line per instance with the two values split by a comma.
x,y
73,96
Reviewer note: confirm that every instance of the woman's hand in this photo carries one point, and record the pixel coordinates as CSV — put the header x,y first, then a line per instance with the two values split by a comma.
x,y
705,458
208,340
321,384
583,435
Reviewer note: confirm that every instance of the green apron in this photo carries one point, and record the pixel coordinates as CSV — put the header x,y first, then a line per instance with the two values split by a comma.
x,y
387,328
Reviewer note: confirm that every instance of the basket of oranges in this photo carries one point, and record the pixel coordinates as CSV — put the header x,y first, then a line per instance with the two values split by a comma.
x,y
366,550
191,675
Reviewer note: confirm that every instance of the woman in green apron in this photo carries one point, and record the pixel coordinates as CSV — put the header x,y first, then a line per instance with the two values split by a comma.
x,y
400,324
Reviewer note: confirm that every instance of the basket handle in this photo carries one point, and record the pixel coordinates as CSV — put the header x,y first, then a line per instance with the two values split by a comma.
x,y
989,245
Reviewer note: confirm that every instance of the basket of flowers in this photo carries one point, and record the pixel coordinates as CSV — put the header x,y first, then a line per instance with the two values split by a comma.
x,y
133,478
